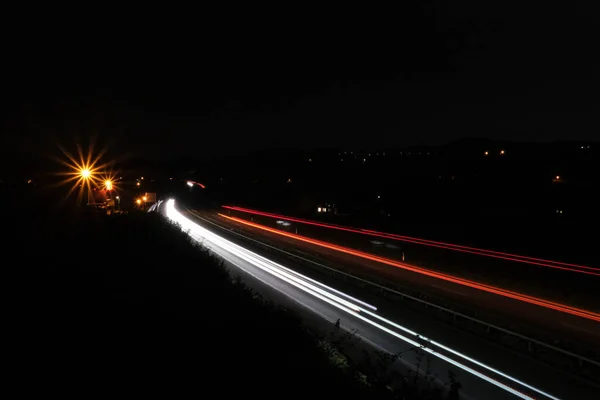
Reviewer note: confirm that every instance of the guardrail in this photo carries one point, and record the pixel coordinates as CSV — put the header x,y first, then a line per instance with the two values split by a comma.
x,y
533,345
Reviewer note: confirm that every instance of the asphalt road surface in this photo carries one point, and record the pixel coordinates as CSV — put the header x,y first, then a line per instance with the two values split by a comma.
x,y
541,322
321,306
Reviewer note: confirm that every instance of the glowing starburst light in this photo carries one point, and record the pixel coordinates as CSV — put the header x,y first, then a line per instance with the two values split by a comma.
x,y
83,172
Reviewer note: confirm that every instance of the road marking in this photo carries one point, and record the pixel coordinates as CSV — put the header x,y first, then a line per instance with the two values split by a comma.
x,y
448,290
596,333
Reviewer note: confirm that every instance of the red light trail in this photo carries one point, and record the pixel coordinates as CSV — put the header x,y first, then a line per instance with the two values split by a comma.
x,y
197,183
464,282
425,242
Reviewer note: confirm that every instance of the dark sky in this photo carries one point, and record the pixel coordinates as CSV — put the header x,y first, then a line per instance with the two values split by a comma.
x,y
202,82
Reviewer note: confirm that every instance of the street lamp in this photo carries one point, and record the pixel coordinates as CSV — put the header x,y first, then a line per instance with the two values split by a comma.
x,y
108,184
85,173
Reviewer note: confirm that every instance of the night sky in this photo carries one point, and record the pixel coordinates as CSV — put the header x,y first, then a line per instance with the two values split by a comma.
x,y
165,84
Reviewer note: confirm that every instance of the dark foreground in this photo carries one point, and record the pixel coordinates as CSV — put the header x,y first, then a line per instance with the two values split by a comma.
x,y
127,305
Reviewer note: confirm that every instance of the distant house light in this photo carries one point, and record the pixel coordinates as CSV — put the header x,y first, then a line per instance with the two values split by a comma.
x,y
318,209
501,151
486,153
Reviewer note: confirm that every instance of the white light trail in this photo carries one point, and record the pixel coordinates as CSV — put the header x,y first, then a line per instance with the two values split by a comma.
x,y
330,296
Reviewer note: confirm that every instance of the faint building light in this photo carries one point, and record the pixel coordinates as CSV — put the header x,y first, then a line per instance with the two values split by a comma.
x,y
137,184
142,178
502,152
557,177
318,209
378,196
310,160
324,209
486,153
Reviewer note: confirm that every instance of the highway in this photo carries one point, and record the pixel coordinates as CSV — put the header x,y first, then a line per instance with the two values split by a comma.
x,y
546,321
312,298
562,283
592,271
